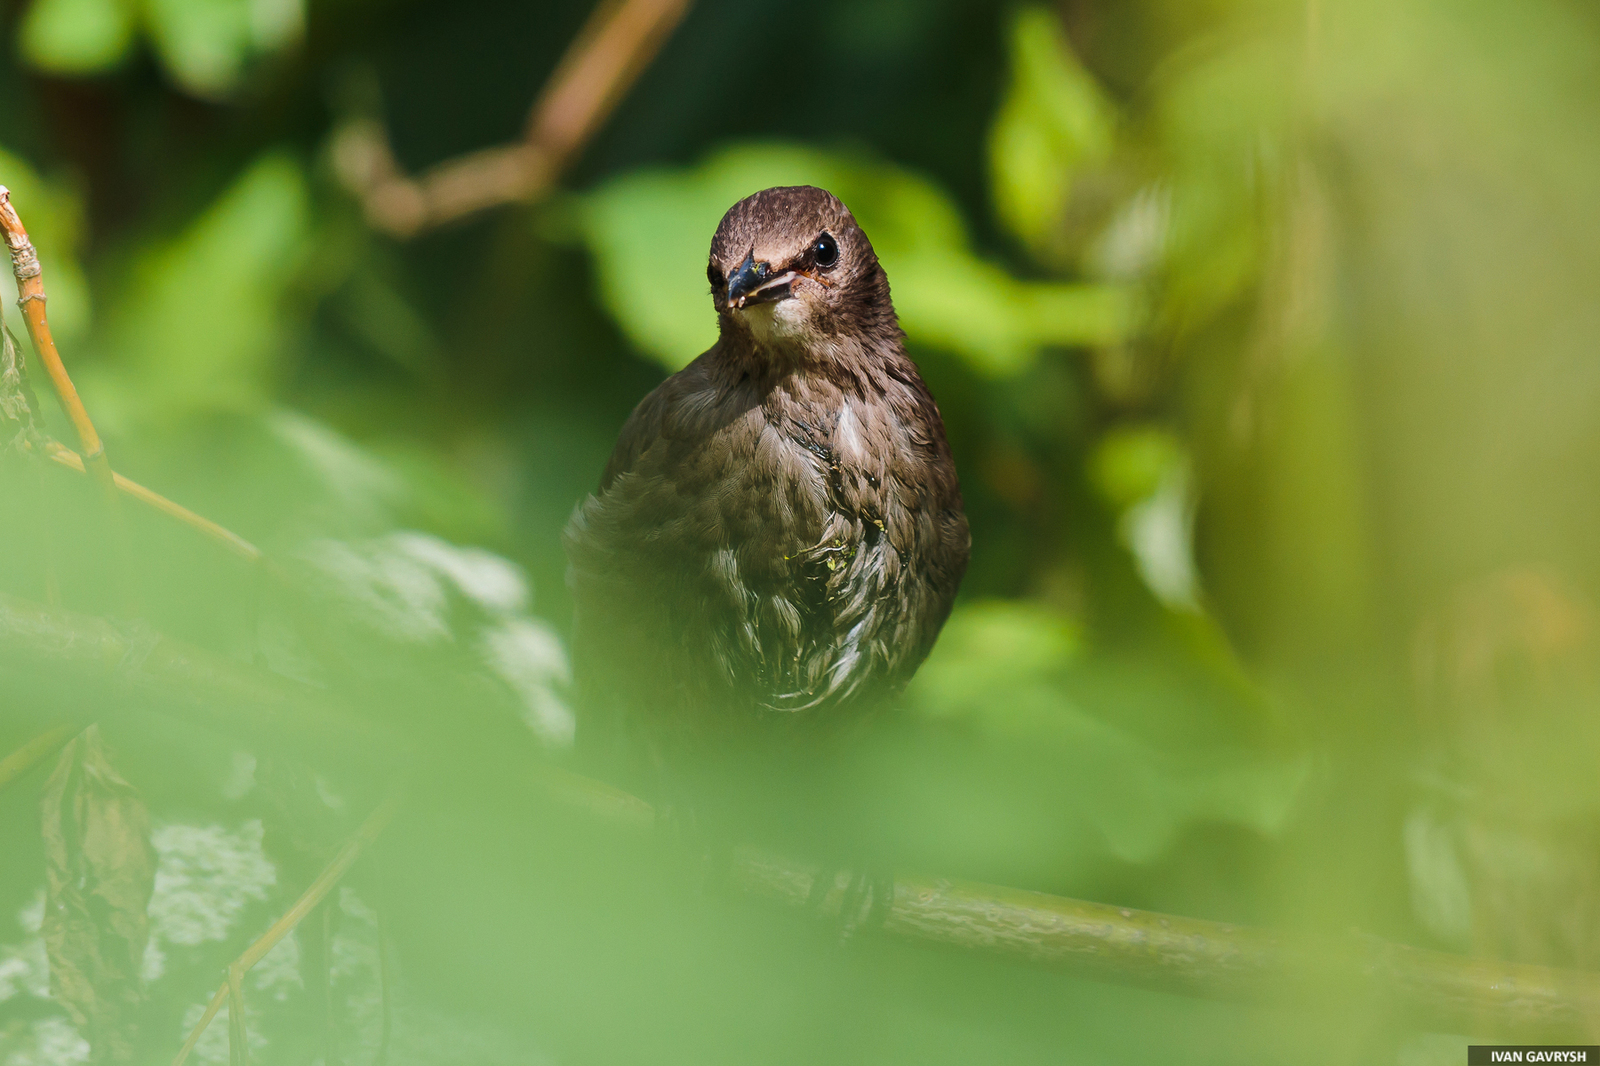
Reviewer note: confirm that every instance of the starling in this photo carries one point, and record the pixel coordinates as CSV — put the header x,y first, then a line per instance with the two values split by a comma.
x,y
778,535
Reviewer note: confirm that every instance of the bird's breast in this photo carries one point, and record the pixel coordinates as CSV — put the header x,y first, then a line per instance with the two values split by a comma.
x,y
781,549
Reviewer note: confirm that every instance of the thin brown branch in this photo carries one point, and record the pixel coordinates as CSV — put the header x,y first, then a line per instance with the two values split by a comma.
x,y
602,63
70,459
93,461
1215,960
35,752
29,273
1187,956
607,56
31,298
331,875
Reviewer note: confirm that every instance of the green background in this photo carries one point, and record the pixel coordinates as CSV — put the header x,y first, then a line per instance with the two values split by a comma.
x,y
1266,336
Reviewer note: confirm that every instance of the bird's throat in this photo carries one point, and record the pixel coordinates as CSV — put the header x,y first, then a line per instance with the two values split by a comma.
x,y
777,327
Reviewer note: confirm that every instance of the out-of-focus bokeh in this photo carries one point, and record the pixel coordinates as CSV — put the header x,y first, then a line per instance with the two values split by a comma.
x,y
1266,335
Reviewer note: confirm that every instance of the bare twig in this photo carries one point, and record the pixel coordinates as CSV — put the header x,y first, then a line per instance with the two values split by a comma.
x,y
1187,956
1215,960
31,298
70,459
34,752
602,63
330,876
93,461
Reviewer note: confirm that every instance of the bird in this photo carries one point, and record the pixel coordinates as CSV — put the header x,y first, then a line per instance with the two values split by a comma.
x,y
779,534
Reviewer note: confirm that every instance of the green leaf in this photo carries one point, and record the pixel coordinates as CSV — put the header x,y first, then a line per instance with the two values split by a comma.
x,y
1222,123
202,43
988,643
1134,751
200,322
1053,120
275,23
1130,462
649,233
53,214
1143,472
76,37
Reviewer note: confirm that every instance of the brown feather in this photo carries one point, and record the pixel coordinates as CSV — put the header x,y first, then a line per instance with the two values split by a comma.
x,y
779,534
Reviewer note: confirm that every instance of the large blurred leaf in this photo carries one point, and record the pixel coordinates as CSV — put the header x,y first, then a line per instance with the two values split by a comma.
x,y
1011,671
201,320
53,214
76,36
649,233
1054,120
417,590
280,477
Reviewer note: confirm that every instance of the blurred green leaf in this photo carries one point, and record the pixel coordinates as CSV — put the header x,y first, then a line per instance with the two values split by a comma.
x,y
203,43
1441,893
440,497
53,213
352,489
1367,238
1012,672
275,23
200,323
1130,461
1133,242
990,643
76,37
1143,472
649,233
1222,123
1054,119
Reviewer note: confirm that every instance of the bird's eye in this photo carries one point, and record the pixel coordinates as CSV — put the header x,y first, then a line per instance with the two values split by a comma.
x,y
825,252
713,275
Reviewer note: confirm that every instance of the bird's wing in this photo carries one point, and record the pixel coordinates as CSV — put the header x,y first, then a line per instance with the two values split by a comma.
x,y
642,429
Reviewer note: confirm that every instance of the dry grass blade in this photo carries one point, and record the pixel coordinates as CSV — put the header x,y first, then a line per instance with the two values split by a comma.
x,y
238,1035
34,752
325,882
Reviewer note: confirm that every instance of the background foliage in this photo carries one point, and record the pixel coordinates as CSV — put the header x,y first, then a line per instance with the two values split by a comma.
x,y
1265,335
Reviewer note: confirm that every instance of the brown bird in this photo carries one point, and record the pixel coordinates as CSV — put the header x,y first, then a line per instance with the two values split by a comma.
x,y
779,535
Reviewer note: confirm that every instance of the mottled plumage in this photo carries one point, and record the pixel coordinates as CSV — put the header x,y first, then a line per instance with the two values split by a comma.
x,y
778,536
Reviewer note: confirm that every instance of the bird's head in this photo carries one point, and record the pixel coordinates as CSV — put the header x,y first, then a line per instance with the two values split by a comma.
x,y
791,269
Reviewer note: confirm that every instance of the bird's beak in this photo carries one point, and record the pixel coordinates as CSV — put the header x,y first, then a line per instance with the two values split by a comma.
x,y
752,283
